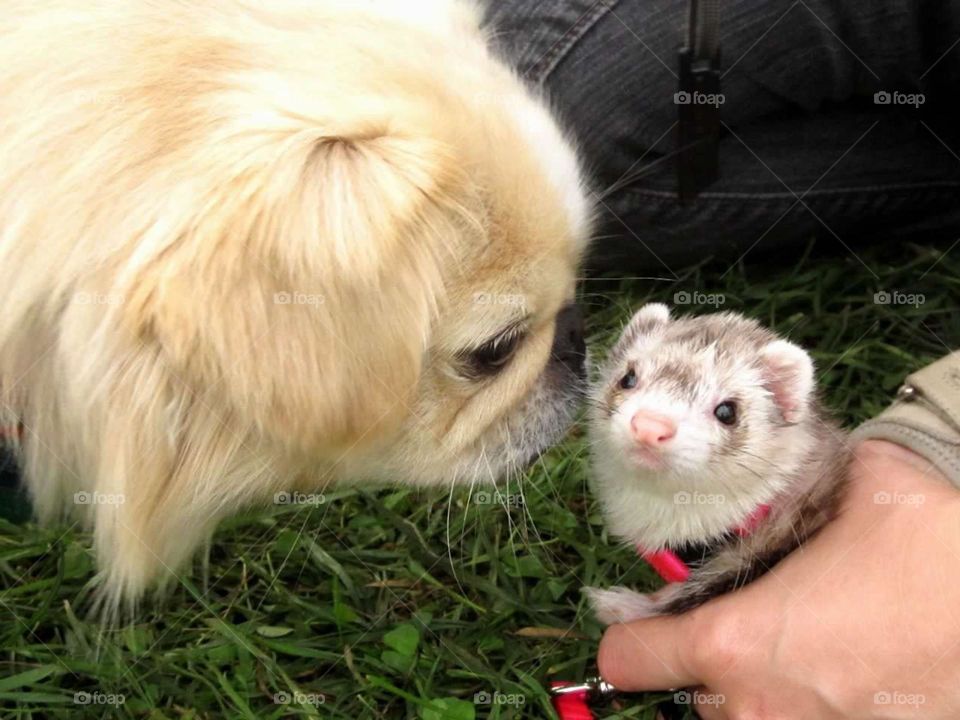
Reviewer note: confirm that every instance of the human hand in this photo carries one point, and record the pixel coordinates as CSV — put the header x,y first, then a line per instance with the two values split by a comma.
x,y
861,622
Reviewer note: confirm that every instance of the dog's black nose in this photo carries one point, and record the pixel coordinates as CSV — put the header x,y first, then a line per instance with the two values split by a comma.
x,y
569,349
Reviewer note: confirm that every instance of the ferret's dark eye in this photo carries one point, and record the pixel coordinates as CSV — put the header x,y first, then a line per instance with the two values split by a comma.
x,y
726,412
629,380
490,358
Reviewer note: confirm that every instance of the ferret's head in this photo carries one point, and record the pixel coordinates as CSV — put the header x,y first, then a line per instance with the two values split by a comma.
x,y
714,404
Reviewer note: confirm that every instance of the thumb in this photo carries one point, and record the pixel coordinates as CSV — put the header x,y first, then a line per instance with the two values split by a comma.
x,y
650,654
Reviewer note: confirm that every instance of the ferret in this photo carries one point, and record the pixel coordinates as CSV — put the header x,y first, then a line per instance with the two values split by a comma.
x,y
711,454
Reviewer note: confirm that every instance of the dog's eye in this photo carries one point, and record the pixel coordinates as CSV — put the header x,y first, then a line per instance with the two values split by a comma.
x,y
491,357
629,380
726,412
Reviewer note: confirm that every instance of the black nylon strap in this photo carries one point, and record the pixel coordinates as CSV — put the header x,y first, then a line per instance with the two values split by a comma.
x,y
703,31
698,102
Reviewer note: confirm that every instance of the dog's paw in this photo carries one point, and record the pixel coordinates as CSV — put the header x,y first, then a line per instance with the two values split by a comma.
x,y
620,604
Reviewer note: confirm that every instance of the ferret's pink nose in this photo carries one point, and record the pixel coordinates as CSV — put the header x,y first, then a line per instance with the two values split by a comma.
x,y
650,429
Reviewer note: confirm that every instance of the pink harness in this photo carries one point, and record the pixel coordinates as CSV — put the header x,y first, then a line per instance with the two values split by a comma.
x,y
671,568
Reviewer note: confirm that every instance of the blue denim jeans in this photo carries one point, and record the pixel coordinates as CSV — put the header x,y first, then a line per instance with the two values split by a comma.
x,y
807,149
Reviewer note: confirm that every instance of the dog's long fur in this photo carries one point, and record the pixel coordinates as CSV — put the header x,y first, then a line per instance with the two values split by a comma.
x,y
241,246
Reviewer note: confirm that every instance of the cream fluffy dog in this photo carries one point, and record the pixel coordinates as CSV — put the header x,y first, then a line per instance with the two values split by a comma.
x,y
248,247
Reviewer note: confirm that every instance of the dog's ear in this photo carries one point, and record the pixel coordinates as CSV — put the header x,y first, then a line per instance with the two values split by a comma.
x,y
300,294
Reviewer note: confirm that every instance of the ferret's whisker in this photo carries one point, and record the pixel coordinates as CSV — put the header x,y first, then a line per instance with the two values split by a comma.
x,y
758,458
749,470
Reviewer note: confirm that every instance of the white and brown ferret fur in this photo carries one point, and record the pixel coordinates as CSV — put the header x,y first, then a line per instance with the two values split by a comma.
x,y
697,422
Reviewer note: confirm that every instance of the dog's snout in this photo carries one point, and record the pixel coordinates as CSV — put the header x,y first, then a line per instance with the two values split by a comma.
x,y
569,347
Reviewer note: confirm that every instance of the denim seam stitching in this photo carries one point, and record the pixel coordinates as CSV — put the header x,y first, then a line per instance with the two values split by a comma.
x,y
541,69
868,189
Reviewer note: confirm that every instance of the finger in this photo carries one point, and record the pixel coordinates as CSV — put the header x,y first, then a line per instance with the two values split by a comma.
x,y
701,702
647,654
709,712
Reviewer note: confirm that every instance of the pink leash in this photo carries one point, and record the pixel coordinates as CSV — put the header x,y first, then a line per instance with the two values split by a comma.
x,y
573,705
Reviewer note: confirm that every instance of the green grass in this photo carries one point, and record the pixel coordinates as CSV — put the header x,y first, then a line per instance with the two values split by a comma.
x,y
405,604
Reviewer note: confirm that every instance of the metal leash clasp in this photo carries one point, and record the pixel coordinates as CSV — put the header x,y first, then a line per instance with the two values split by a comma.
x,y
572,701
596,688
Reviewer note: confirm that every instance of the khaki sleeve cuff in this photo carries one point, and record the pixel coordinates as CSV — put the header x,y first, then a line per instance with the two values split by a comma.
x,y
925,417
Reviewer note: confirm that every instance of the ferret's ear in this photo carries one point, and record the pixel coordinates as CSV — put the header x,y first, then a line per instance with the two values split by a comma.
x,y
788,375
643,321
651,314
